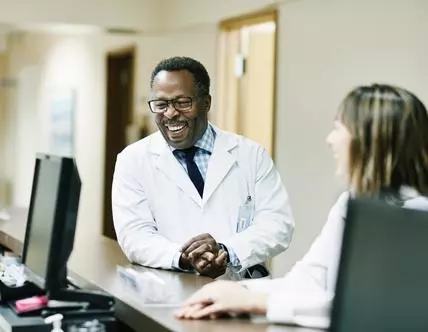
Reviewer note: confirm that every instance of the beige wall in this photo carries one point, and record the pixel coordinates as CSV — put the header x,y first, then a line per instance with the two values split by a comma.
x,y
3,128
152,48
133,14
182,13
3,71
325,48
199,42
43,63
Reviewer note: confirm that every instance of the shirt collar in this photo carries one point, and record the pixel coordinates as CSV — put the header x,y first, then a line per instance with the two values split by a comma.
x,y
206,142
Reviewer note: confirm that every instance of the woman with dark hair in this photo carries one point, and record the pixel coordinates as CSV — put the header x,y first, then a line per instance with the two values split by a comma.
x,y
380,143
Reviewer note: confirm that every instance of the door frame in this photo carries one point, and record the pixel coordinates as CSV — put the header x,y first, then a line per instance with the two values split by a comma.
x,y
269,14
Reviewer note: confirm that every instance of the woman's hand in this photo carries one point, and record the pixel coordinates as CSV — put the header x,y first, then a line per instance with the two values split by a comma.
x,y
222,297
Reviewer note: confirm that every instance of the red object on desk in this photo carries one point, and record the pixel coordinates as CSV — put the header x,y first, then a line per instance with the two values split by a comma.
x,y
31,303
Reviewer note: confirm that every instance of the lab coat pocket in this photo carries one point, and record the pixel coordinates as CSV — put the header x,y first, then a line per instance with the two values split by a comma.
x,y
245,215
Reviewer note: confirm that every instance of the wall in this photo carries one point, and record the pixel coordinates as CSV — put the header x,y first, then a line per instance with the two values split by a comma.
x,y
182,13
153,47
129,14
44,63
325,49
3,71
199,42
3,128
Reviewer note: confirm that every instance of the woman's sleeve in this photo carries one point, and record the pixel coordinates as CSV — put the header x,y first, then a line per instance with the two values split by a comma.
x,y
303,297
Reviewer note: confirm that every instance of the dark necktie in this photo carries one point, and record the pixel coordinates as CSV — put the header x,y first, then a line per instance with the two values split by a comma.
x,y
193,170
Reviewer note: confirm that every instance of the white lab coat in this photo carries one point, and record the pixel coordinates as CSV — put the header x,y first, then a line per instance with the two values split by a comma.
x,y
156,207
305,295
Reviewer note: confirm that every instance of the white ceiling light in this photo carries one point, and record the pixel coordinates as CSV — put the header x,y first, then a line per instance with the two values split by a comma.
x,y
60,28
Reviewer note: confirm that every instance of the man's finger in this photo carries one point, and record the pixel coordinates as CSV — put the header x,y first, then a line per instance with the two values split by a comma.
x,y
197,253
218,264
217,267
201,264
188,244
209,256
221,259
194,239
213,246
193,247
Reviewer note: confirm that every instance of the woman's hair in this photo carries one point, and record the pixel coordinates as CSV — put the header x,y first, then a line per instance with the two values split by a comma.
x,y
389,145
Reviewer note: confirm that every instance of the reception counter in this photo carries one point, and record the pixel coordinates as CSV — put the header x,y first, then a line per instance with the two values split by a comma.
x,y
148,307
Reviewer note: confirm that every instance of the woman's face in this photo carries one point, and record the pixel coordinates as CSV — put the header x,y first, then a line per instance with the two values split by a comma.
x,y
339,141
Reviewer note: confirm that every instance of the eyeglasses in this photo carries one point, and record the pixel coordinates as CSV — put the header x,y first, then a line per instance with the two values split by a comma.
x,y
180,104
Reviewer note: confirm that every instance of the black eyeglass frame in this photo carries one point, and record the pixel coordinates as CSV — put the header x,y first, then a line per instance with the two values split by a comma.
x,y
173,102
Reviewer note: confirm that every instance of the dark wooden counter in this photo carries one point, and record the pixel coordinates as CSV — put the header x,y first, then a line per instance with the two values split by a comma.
x,y
93,265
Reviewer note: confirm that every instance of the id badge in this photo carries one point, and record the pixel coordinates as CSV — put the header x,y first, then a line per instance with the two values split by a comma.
x,y
245,215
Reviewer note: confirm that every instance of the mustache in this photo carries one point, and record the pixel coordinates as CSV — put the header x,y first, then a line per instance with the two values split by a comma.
x,y
174,122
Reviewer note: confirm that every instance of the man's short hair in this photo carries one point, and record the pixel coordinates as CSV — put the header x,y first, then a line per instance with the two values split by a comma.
x,y
201,78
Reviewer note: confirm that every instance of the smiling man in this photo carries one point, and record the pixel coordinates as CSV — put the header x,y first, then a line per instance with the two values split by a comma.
x,y
193,197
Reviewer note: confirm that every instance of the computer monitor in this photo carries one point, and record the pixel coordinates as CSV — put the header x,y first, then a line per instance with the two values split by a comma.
x,y
382,280
51,222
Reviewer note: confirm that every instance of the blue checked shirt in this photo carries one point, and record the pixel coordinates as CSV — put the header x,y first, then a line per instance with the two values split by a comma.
x,y
205,147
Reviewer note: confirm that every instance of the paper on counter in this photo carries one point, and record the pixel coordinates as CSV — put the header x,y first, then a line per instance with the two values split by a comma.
x,y
151,288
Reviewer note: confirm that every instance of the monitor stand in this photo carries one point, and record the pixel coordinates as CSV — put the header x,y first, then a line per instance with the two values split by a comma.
x,y
95,299
93,303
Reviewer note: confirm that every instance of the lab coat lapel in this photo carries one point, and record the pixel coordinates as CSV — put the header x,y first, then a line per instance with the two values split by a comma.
x,y
220,163
166,162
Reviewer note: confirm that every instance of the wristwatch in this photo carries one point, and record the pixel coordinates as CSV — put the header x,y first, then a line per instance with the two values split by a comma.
x,y
222,246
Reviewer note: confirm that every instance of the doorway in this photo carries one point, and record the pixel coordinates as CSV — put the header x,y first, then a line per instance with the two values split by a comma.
x,y
120,102
246,77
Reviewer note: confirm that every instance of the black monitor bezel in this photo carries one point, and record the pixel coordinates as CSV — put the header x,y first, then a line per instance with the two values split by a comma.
x,y
360,211
56,273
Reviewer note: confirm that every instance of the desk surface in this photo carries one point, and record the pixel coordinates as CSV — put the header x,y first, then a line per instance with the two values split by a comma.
x,y
151,310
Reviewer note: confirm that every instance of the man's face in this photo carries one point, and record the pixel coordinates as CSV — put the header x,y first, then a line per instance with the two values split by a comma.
x,y
181,129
